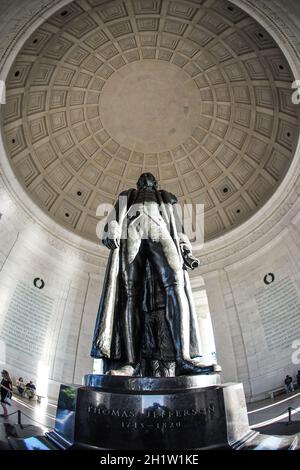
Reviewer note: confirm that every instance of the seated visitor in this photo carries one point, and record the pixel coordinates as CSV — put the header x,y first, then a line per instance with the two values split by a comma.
x,y
288,384
20,386
6,392
298,378
30,390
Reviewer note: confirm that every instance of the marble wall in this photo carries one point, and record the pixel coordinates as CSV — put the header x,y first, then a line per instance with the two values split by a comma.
x,y
73,285
256,324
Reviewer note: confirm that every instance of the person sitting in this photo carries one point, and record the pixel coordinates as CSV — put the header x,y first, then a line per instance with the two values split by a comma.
x,y
20,386
288,384
298,378
30,390
6,392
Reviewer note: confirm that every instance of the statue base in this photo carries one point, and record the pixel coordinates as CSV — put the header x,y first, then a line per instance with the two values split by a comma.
x,y
188,412
172,413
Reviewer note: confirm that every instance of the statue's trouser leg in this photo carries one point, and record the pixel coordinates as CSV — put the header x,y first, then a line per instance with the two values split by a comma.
x,y
173,318
131,328
130,324
177,307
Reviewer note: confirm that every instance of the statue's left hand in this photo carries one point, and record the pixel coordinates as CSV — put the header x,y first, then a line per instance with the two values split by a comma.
x,y
185,248
185,244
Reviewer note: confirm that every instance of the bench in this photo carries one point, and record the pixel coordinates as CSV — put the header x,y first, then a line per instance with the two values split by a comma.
x,y
279,390
37,396
274,392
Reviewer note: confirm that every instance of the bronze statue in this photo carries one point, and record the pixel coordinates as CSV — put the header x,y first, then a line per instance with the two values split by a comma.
x,y
146,323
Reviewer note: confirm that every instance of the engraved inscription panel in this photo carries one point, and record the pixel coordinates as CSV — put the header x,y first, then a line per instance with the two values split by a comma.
x,y
26,322
279,308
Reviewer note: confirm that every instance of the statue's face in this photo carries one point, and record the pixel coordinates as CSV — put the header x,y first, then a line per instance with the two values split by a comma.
x,y
147,180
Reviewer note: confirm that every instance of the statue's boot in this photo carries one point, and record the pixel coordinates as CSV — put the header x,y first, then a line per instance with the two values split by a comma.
x,y
217,367
194,368
127,370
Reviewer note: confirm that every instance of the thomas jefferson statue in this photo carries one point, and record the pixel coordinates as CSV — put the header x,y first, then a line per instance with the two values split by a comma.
x,y
146,323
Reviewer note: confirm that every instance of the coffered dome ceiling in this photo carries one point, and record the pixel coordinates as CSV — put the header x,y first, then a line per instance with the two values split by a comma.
x,y
196,92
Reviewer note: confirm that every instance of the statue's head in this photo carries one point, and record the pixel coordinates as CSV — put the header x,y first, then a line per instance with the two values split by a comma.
x,y
147,180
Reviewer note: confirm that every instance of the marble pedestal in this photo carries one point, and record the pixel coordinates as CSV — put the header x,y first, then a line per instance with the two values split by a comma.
x,y
188,412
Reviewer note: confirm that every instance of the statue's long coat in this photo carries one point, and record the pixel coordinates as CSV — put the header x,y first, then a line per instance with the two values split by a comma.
x,y
108,338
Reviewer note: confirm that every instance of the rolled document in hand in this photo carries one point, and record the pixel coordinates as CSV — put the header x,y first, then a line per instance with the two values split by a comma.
x,y
189,260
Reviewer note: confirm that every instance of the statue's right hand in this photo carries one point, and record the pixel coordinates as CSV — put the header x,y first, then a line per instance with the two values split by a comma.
x,y
112,235
111,243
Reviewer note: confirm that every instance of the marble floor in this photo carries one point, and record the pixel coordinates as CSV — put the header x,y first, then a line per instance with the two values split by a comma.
x,y
40,414
272,416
